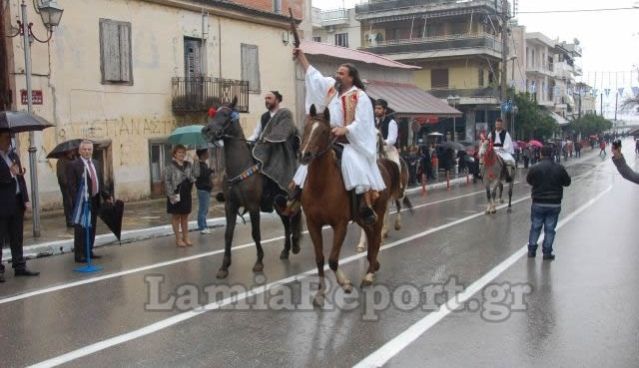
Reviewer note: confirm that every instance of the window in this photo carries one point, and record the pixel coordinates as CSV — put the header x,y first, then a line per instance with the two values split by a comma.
x,y
439,78
481,78
341,39
115,52
317,38
251,67
277,6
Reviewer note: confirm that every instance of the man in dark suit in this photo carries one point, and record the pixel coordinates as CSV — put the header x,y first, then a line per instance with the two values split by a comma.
x,y
96,190
14,200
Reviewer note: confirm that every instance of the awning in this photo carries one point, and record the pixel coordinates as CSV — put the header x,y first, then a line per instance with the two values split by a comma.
x,y
559,119
408,99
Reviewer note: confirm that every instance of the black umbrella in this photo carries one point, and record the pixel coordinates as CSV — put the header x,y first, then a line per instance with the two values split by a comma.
x,y
18,121
112,215
63,148
452,145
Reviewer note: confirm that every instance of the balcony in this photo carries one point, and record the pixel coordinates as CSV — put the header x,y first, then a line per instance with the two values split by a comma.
x,y
410,7
540,71
330,17
195,95
474,96
442,46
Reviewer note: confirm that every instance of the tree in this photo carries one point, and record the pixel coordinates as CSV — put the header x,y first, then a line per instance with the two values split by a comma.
x,y
531,120
591,124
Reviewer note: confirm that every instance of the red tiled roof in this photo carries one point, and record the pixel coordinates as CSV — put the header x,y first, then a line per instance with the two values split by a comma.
x,y
408,99
317,48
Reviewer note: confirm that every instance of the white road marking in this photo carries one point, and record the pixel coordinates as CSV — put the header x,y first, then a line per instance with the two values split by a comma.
x,y
403,340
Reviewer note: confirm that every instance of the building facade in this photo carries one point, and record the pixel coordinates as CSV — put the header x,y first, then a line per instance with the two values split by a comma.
x,y
336,27
125,73
457,45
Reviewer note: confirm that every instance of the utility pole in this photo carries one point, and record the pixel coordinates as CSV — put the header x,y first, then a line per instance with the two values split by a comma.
x,y
503,94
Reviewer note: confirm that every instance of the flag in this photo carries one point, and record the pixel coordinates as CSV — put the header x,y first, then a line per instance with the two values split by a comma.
x,y
620,91
635,91
81,211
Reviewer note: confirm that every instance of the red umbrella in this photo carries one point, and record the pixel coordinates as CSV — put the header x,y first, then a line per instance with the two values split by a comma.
x,y
522,144
535,143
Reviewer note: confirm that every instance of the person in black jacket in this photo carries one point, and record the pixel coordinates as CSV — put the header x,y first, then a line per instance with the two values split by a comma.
x,y
14,200
548,180
76,171
204,185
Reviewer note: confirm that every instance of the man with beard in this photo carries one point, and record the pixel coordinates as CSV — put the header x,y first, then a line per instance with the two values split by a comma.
x,y
276,143
387,127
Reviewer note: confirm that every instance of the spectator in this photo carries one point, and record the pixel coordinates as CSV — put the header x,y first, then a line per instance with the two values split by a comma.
x,y
178,184
204,185
602,147
622,166
578,149
547,179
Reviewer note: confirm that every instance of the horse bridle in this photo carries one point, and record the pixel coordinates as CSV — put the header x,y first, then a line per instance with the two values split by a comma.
x,y
234,117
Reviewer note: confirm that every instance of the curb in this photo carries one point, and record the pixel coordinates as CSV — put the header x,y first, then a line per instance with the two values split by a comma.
x,y
57,247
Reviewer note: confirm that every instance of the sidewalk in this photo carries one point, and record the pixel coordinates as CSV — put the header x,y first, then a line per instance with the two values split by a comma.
x,y
148,219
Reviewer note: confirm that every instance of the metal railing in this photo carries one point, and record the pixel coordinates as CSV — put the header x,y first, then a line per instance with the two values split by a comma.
x,y
438,43
198,94
469,93
397,4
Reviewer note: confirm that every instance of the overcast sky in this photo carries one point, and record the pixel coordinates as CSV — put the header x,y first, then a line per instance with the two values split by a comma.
x,y
610,40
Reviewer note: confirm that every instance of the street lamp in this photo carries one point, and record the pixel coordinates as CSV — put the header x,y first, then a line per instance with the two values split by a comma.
x,y
51,14
453,101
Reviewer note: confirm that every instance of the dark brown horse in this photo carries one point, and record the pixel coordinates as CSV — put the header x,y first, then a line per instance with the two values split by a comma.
x,y
326,202
246,193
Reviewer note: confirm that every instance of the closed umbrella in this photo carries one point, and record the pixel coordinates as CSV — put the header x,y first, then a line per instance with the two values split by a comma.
x,y
18,121
190,135
112,215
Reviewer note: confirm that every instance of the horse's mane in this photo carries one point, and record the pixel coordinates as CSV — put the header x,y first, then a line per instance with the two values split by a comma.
x,y
490,157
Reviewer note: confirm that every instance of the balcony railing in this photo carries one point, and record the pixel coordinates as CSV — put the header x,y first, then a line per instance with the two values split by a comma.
x,y
487,92
330,17
416,45
192,95
397,4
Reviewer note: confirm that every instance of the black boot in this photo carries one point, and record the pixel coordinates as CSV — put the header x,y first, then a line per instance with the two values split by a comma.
x,y
291,205
366,212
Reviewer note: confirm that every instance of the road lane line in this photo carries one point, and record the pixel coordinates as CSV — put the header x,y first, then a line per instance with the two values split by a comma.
x,y
403,340
171,321
183,259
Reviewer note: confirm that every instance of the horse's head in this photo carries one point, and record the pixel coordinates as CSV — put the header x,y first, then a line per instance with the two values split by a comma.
x,y
225,123
317,135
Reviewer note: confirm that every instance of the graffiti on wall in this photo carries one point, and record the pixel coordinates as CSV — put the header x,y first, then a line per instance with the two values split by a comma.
x,y
115,128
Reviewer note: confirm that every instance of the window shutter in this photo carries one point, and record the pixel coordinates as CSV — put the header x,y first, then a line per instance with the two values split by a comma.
x,y
439,78
125,52
251,67
111,51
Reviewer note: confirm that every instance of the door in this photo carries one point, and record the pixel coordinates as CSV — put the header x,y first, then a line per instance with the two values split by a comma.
x,y
159,159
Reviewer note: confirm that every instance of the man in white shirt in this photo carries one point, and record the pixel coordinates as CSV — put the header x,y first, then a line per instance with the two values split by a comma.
x,y
503,144
388,128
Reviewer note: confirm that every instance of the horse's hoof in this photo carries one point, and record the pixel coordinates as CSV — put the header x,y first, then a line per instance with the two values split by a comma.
x,y
368,280
398,227
222,274
360,249
258,267
347,287
318,300
377,266
296,247
493,211
284,255
501,201
385,235
487,212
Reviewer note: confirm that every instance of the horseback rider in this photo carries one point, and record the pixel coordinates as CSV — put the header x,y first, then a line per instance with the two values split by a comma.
x,y
352,123
503,144
276,142
387,126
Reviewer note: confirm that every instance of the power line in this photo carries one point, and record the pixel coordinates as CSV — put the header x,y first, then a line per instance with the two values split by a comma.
x,y
576,10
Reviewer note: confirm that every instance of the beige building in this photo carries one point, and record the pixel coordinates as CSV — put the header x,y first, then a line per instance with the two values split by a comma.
x,y
127,72
336,27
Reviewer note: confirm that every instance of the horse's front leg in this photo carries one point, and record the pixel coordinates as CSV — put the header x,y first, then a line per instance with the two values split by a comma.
x,y
510,197
374,243
339,234
398,216
231,213
287,236
493,202
315,231
362,245
257,238
489,198
296,230
501,191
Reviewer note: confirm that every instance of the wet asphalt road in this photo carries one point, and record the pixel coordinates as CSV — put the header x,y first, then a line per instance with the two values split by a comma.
x,y
579,310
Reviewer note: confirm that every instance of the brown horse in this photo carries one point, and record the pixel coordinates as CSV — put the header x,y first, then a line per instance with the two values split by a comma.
x,y
397,193
326,202
247,192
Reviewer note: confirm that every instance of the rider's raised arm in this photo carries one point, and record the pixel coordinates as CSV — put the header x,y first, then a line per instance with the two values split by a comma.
x,y
361,132
317,87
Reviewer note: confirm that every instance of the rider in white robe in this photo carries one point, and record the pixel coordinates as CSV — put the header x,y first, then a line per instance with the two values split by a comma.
x,y
504,149
359,159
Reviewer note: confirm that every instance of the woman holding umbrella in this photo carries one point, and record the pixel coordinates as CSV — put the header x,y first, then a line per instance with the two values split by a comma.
x,y
178,182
